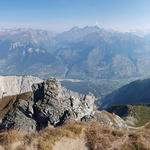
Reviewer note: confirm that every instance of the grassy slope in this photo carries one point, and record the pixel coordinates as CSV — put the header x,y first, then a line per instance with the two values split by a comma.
x,y
142,114
96,137
42,140
139,111
135,92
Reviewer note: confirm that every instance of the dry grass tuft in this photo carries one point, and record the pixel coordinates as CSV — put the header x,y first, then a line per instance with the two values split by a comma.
x,y
134,136
44,145
74,127
103,138
51,135
137,140
10,137
97,137
43,140
118,133
147,125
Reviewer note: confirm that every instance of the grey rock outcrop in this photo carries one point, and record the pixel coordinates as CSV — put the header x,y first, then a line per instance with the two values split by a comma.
x,y
54,104
49,104
19,115
107,119
12,85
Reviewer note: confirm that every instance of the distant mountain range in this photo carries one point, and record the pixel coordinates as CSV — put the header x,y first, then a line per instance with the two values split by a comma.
x,y
80,53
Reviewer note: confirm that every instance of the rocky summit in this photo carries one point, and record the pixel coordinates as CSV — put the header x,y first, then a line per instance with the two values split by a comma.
x,y
48,104
53,104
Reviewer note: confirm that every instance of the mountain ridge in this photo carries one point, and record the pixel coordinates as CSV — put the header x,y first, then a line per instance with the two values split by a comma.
x,y
132,93
80,53
50,104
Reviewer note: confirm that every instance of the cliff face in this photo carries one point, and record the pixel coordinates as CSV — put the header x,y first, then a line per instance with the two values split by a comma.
x,y
51,104
12,85
48,104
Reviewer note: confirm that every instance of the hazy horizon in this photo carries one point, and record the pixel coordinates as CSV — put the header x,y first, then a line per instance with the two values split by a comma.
x,y
62,15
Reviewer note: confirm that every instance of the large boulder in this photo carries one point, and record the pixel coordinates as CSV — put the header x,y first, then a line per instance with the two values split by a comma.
x,y
48,104
53,104
19,113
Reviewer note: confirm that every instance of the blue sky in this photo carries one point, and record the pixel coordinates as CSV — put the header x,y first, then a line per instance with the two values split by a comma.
x,y
59,15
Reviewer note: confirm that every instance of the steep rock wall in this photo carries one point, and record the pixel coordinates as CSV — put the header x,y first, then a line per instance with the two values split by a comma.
x,y
12,85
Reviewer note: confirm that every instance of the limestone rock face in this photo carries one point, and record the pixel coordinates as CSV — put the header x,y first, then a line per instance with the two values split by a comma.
x,y
20,115
107,119
54,104
12,85
49,104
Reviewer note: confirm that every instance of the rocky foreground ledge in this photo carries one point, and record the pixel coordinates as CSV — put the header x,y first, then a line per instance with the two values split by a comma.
x,y
51,104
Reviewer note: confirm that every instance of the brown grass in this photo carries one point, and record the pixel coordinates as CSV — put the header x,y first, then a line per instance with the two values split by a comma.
x,y
103,138
51,135
118,133
135,141
10,137
43,140
110,115
147,125
97,137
